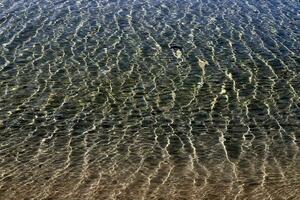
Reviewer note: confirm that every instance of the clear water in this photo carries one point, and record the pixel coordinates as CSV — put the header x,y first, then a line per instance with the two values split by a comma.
x,y
150,99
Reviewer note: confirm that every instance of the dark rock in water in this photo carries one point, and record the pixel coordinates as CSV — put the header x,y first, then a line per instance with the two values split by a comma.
x,y
176,47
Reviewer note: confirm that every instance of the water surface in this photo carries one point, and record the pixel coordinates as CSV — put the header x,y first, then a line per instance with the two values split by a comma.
x,y
150,99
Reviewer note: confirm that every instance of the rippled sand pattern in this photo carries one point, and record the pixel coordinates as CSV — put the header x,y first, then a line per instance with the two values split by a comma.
x,y
166,100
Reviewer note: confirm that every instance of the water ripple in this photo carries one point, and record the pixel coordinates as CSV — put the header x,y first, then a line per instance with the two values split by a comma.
x,y
146,99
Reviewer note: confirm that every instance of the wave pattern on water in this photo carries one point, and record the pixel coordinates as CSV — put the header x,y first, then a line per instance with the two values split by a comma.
x,y
147,99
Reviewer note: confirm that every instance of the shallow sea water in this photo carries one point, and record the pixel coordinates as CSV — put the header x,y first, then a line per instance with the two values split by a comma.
x,y
162,100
